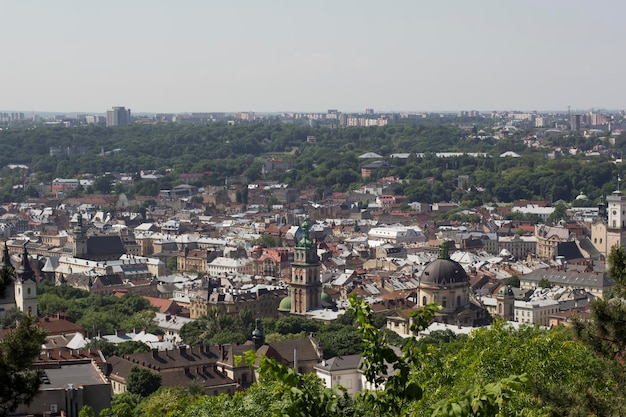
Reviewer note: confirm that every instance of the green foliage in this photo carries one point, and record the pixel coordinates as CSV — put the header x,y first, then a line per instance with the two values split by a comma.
x,y
131,346
564,377
488,400
6,279
302,395
544,283
513,281
166,402
617,269
266,241
19,381
86,411
604,331
379,358
11,318
142,381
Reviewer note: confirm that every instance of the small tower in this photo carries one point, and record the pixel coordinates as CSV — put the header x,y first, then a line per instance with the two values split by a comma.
x,y
506,303
26,287
80,238
306,286
616,224
258,335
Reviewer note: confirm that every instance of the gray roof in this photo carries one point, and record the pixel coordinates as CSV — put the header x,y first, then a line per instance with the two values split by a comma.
x,y
340,363
571,278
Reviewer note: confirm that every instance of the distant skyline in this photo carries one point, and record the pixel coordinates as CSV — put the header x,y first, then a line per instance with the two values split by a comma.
x,y
402,55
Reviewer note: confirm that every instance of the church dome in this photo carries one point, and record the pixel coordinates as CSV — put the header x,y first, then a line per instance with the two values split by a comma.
x,y
285,305
444,271
582,197
326,298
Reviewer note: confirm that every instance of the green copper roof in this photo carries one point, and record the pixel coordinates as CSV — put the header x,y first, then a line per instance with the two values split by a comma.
x,y
305,242
285,304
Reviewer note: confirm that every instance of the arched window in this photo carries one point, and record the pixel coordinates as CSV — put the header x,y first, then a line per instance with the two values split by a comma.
x,y
458,300
424,302
28,291
444,301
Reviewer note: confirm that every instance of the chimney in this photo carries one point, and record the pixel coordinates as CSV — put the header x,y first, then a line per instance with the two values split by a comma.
x,y
183,350
120,332
155,353
295,359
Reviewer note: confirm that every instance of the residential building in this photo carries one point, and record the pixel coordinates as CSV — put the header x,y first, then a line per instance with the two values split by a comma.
x,y
118,116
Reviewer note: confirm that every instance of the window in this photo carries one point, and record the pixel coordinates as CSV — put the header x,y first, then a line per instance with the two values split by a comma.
x,y
424,302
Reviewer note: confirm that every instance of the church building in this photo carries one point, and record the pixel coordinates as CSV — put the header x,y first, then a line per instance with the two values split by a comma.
x,y
21,292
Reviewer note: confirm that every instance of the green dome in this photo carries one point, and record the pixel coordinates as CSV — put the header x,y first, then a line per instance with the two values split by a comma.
x,y
285,304
326,298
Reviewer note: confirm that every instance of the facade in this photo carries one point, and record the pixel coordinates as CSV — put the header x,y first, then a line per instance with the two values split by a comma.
x,y
595,282
118,116
518,246
341,371
548,238
222,266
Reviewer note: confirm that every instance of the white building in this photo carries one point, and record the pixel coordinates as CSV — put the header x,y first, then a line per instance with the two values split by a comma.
x,y
397,234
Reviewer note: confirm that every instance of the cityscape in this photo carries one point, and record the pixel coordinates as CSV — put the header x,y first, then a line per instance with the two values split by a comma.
x,y
321,209
260,251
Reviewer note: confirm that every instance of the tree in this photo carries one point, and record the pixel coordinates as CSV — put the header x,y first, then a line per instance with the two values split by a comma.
x,y
18,379
513,281
6,279
86,411
142,381
605,331
544,283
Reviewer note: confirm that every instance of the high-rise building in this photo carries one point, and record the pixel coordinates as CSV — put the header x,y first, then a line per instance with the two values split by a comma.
x,y
118,116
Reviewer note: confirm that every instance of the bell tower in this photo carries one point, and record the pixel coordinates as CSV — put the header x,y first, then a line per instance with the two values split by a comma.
x,y
616,224
80,238
26,287
306,286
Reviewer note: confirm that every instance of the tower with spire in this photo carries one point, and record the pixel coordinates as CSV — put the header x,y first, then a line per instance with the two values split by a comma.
x,y
306,286
7,301
26,286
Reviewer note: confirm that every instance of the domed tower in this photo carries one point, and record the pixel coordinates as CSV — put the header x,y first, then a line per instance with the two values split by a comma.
x,y
444,281
306,286
258,335
26,286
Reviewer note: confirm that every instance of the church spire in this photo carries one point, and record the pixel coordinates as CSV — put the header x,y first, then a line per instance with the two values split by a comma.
x,y
6,258
25,271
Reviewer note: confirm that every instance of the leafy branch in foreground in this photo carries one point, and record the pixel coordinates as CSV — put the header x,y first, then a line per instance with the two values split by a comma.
x,y
385,367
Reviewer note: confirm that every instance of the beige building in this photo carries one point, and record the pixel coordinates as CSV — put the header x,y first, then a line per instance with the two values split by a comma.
x,y
547,239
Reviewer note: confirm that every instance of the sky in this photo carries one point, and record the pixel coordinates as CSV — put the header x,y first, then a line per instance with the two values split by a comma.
x,y
311,56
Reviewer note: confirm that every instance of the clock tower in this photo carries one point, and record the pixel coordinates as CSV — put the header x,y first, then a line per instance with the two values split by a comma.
x,y
616,224
306,287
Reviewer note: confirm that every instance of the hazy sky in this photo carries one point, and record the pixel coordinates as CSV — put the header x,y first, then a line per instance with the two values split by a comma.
x,y
293,55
